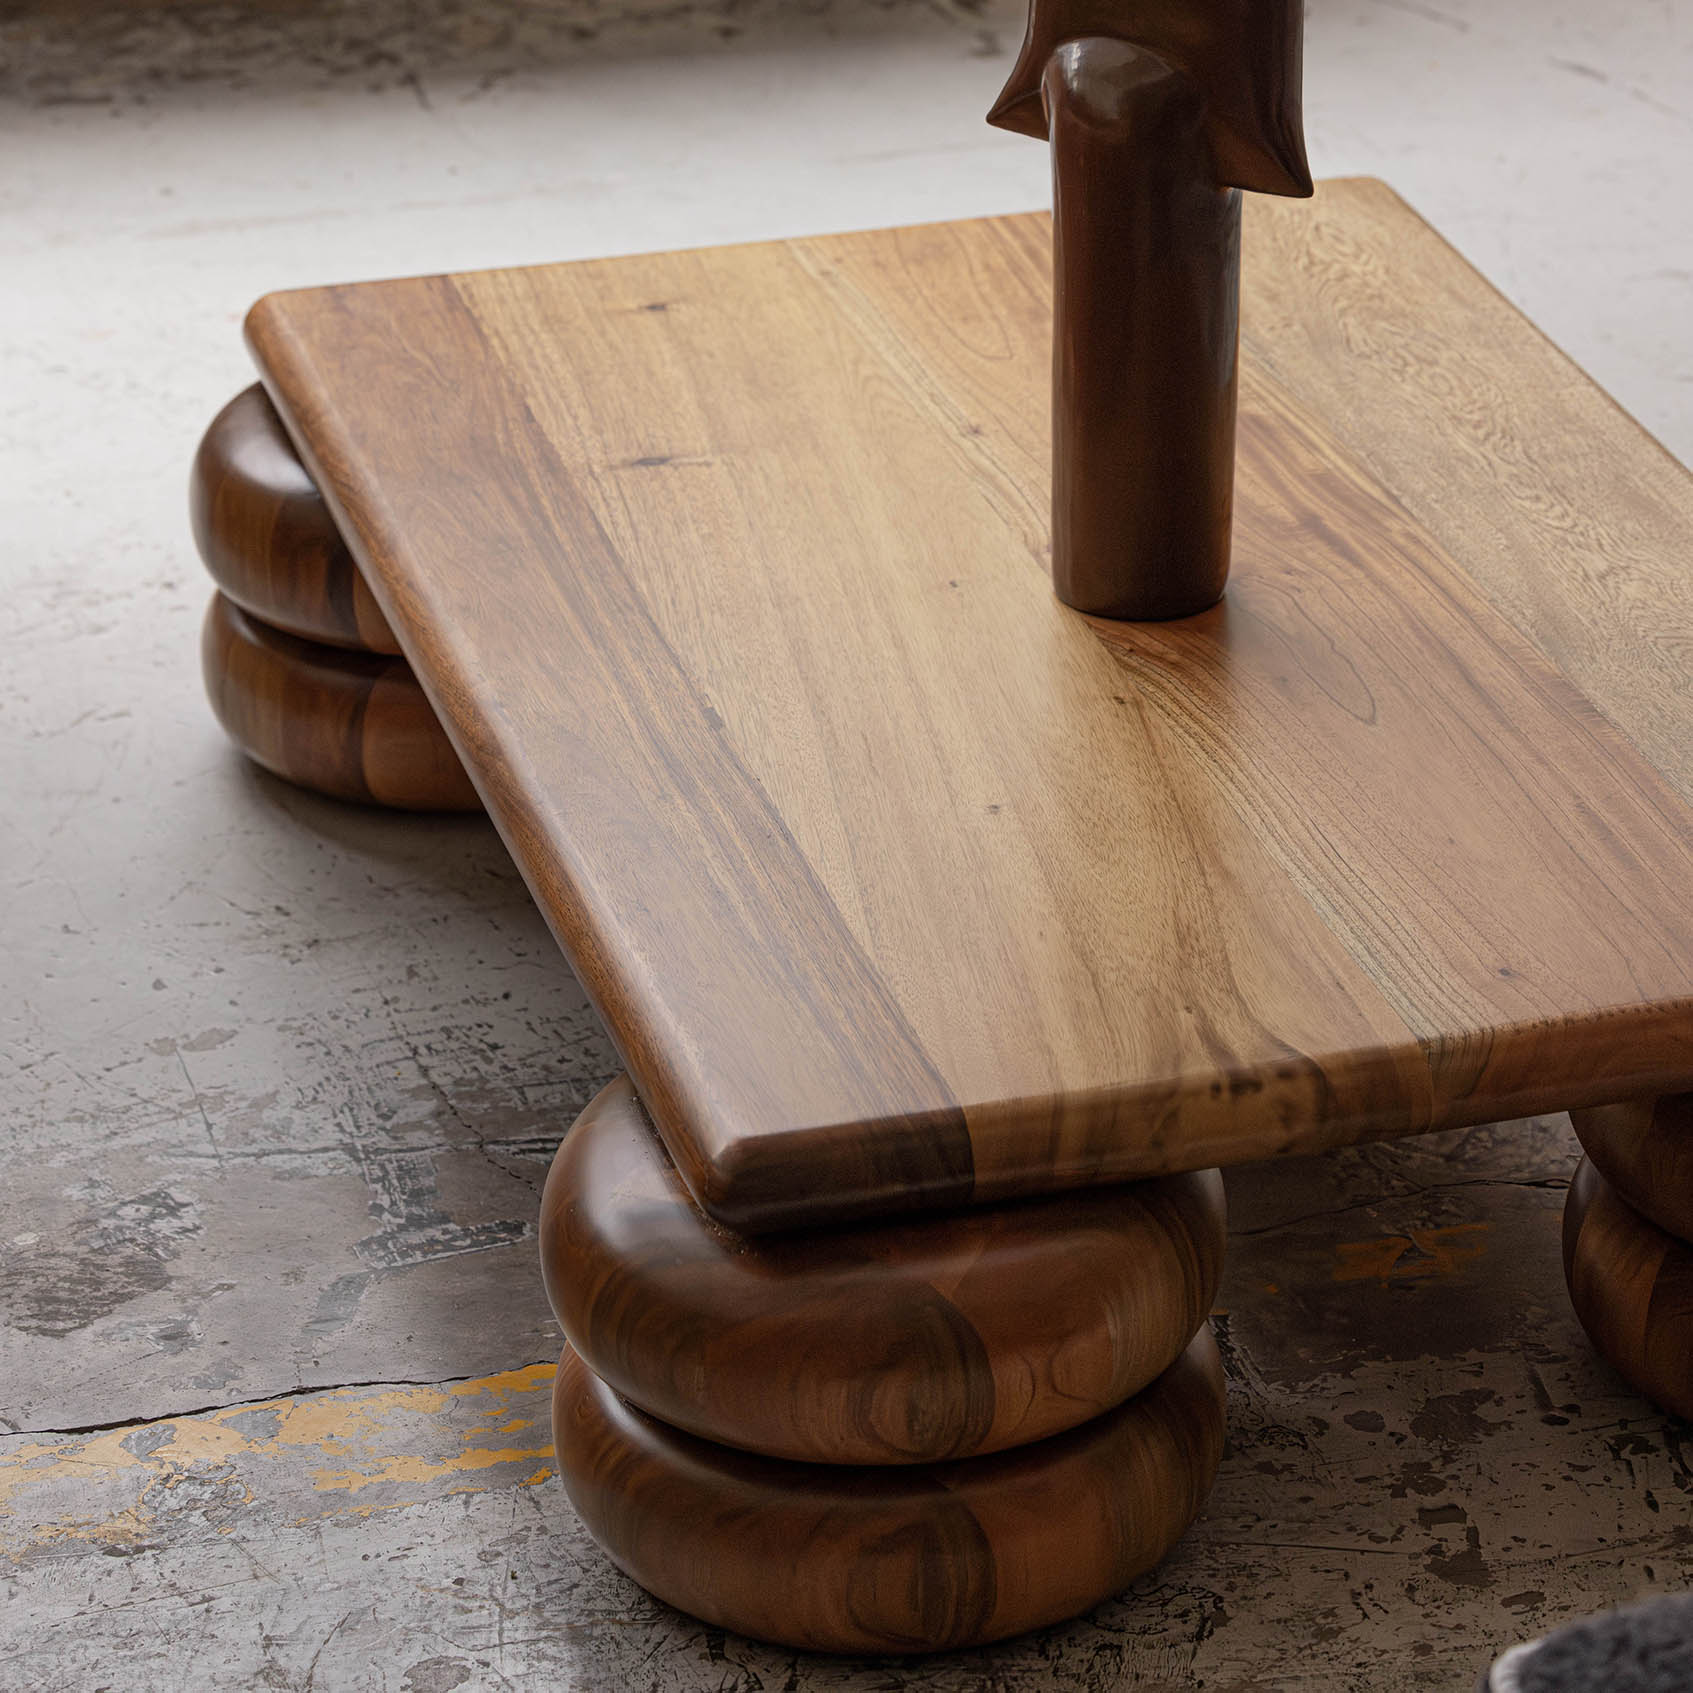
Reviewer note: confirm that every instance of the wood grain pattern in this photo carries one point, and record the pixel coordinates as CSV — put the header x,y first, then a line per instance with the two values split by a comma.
x,y
1041,903
1632,1287
1561,509
911,1559
883,1344
352,725
267,537
1644,1149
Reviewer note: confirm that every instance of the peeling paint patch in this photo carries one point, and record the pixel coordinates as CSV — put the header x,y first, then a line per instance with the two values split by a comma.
x,y
112,1255
1453,1419
406,1198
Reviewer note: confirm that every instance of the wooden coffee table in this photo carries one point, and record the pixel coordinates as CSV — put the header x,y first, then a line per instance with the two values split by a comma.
x,y
905,890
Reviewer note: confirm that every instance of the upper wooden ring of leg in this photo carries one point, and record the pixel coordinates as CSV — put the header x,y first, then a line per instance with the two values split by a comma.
x,y
905,1342
1632,1287
1644,1149
900,1559
268,538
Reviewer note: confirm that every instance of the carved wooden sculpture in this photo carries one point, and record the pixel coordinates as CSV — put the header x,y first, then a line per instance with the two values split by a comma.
x,y
1159,112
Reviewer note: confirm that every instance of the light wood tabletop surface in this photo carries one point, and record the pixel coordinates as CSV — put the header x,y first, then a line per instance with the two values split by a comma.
x,y
899,884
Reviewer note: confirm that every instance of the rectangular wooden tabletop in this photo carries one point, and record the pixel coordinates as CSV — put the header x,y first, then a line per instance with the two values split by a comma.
x,y
898,883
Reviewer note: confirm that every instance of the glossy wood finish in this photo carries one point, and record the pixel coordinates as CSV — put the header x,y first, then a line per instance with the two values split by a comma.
x,y
1632,1287
1157,114
882,1344
910,1559
1393,839
1146,317
267,537
1243,57
1644,1149
352,725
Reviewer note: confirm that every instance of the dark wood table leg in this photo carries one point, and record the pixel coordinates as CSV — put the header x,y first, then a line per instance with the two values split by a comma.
x,y
892,1437
300,664
1628,1243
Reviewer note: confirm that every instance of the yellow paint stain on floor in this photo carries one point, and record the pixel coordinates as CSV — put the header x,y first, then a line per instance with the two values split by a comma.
x,y
1417,1253
412,1470
113,1487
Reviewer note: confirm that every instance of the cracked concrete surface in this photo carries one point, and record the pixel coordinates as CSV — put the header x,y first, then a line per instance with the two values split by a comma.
x,y
281,1077
1425,1460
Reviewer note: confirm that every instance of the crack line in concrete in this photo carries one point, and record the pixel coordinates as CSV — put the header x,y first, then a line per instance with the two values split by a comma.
x,y
1550,1184
298,1392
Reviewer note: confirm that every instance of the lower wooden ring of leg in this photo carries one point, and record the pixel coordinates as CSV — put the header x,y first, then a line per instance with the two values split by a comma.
x,y
353,725
269,540
911,1558
1644,1149
904,1342
1632,1287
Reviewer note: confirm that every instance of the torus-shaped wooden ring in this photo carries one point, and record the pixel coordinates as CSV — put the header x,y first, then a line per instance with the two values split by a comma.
x,y
268,538
1632,1287
1644,1149
891,1343
352,725
908,1559
1159,112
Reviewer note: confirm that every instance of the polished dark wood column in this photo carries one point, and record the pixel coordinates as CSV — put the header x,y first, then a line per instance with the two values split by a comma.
x,y
1145,360
1158,114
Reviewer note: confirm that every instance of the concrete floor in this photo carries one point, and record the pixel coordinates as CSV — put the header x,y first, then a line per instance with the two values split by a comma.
x,y
281,1077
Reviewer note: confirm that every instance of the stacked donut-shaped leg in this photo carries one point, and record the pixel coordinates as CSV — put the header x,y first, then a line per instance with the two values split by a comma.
x,y
1628,1243
302,668
894,1437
